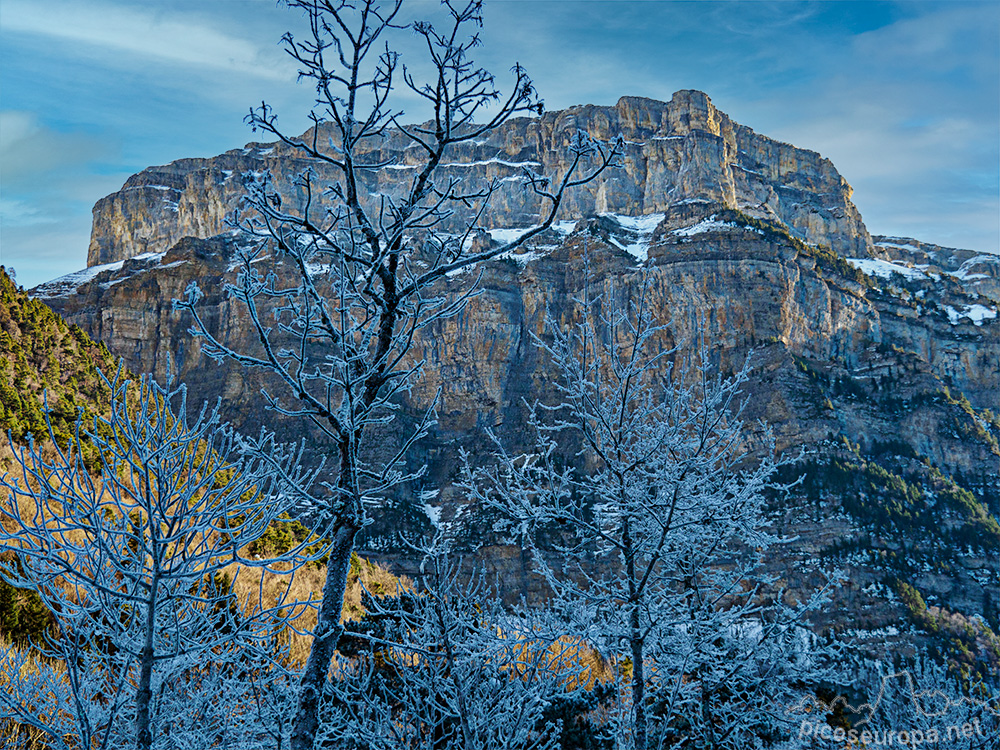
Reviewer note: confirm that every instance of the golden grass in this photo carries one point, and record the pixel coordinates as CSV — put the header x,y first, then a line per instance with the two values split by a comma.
x,y
303,589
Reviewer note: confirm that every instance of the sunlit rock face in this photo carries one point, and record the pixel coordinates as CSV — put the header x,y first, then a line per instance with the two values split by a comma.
x,y
860,345
682,151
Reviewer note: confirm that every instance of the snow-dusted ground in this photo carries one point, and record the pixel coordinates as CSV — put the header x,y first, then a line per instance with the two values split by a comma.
x,y
983,265
976,313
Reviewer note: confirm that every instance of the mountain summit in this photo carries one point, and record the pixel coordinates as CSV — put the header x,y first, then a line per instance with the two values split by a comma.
x,y
684,151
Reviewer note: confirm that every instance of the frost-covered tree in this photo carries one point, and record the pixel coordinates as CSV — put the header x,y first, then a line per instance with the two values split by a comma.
x,y
444,666
644,502
154,645
918,703
361,273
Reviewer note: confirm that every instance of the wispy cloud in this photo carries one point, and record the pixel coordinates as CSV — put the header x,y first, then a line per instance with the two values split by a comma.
x,y
938,41
15,213
30,151
143,31
908,112
49,186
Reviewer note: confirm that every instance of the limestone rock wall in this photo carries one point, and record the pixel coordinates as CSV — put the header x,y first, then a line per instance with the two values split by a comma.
x,y
857,343
740,289
682,151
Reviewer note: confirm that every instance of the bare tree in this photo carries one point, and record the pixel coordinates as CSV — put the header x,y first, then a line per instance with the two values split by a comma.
x,y
914,703
139,566
445,667
650,537
364,271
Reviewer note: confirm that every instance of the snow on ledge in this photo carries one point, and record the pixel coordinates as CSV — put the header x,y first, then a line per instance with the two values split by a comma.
x,y
502,162
901,243
64,286
885,269
711,224
976,313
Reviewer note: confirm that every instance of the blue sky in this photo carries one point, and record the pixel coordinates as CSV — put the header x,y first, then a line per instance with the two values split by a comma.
x,y
904,97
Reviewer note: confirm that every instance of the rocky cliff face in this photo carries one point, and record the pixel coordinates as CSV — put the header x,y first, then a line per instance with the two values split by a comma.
x,y
974,272
682,151
871,356
746,286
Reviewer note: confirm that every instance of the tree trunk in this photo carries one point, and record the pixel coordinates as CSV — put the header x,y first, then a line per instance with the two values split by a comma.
x,y
325,637
635,640
144,690
638,681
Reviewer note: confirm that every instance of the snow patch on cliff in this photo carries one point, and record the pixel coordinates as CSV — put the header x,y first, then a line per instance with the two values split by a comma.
x,y
976,313
639,230
433,514
503,235
885,269
972,269
711,224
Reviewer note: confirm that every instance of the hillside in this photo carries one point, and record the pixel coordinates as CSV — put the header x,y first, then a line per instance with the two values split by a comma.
x,y
876,358
41,357
44,357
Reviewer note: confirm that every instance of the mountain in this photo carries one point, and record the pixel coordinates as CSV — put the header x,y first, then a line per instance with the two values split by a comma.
x,y
877,358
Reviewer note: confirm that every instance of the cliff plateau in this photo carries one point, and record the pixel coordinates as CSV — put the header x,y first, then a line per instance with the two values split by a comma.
x,y
684,150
